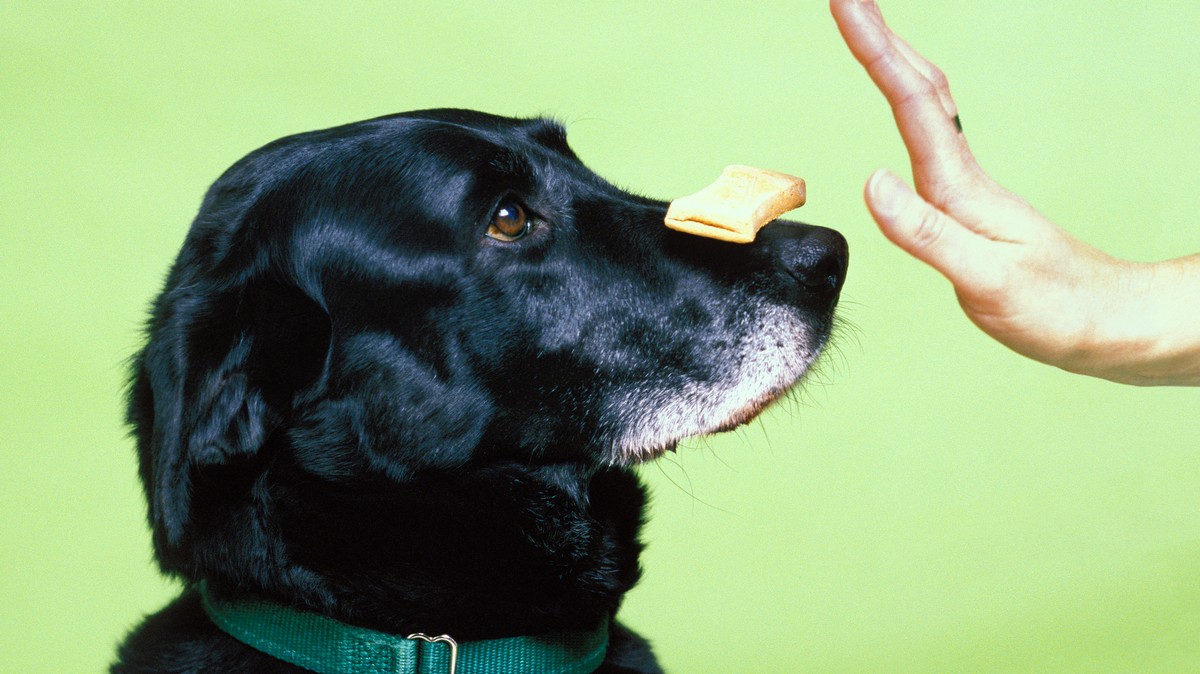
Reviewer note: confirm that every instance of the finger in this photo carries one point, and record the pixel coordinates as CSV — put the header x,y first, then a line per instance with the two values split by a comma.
x,y
932,73
924,114
930,235
870,40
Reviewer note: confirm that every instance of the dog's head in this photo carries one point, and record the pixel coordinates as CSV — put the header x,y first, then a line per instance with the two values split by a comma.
x,y
446,289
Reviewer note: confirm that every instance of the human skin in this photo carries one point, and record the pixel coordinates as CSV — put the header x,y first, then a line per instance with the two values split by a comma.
x,y
1022,279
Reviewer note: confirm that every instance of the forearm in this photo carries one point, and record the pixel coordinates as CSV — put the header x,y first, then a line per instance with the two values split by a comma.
x,y
1154,338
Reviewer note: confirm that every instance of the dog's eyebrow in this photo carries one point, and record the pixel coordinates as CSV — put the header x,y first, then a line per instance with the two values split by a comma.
x,y
520,166
513,166
551,133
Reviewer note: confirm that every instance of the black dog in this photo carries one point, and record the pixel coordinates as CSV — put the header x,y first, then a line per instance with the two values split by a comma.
x,y
401,369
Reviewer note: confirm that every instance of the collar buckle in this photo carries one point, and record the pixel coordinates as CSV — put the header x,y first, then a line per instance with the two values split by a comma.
x,y
445,639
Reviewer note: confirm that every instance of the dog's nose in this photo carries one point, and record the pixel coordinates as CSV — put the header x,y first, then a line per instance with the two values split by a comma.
x,y
817,258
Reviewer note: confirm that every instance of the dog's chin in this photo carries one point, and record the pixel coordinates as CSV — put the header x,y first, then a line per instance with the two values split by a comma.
x,y
630,455
634,454
752,410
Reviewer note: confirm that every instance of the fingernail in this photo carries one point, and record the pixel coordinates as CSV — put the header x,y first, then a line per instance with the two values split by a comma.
x,y
887,193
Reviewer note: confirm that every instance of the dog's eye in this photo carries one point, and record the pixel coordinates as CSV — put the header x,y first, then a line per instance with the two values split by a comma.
x,y
510,222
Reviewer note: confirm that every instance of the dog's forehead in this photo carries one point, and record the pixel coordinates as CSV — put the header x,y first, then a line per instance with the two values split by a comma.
x,y
514,150
467,134
410,148
501,130
419,182
455,156
407,186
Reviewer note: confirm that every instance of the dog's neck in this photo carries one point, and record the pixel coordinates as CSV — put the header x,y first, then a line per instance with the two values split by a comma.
x,y
494,551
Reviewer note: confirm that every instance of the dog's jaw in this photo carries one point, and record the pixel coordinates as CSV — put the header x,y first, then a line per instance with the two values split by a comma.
x,y
770,362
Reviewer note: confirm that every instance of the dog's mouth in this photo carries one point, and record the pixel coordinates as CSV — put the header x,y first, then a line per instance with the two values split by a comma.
x,y
752,410
630,454
756,373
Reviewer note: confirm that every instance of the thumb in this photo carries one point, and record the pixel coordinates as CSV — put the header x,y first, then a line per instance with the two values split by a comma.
x,y
925,232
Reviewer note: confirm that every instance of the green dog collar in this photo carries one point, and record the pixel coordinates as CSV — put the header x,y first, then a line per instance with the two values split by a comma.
x,y
326,646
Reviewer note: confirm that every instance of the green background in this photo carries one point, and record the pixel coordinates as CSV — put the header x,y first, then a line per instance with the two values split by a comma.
x,y
930,502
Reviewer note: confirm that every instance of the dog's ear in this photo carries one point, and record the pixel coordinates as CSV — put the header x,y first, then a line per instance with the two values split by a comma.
x,y
218,374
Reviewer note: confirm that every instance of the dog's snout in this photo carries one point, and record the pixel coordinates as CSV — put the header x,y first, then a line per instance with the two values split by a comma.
x,y
817,258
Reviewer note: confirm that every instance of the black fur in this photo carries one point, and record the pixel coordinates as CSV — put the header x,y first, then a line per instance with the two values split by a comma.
x,y
353,400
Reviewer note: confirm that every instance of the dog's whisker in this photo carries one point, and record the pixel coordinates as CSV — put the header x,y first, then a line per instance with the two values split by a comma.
x,y
689,490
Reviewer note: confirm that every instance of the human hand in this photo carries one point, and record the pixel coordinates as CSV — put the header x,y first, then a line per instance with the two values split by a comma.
x,y
1018,276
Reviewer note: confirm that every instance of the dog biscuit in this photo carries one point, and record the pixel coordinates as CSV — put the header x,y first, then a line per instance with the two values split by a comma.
x,y
741,202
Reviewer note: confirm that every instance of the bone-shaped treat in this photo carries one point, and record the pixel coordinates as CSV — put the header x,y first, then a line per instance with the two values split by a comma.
x,y
741,202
